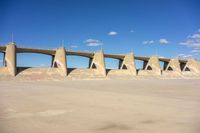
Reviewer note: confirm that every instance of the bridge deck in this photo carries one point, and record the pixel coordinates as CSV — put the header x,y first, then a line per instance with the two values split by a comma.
x,y
85,54
79,53
2,48
33,50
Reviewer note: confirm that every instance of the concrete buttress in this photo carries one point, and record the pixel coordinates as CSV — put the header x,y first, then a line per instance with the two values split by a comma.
x,y
98,63
193,66
10,59
151,67
60,61
172,68
129,64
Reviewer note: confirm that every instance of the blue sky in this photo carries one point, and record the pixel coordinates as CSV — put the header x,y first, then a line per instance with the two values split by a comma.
x,y
169,28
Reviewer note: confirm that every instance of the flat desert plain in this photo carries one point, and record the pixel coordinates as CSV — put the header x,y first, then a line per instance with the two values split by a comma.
x,y
100,106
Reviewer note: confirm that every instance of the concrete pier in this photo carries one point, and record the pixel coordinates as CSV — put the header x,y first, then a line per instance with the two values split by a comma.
x,y
191,67
129,64
172,68
151,67
98,63
10,59
60,61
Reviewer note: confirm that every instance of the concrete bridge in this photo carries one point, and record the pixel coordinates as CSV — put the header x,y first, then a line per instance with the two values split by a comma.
x,y
151,65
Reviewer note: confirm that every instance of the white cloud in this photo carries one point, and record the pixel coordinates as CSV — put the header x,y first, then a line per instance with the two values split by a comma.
x,y
145,42
163,41
161,56
192,41
151,42
112,33
93,42
184,56
195,51
187,56
194,36
148,42
132,31
74,46
180,55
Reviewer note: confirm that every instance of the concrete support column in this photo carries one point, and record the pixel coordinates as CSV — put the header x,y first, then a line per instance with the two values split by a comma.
x,y
10,59
174,65
154,65
151,67
60,61
193,66
99,63
129,64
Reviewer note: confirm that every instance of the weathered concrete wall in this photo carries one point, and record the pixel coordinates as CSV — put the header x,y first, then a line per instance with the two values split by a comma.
x,y
38,73
82,73
173,68
151,68
118,72
60,61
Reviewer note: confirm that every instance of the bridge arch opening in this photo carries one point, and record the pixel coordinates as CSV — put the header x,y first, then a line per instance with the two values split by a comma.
x,y
187,69
161,65
124,67
76,61
139,64
169,68
1,59
149,68
37,60
94,66
112,63
184,67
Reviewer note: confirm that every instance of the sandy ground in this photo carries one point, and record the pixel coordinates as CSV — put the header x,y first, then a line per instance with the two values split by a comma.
x,y
100,106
